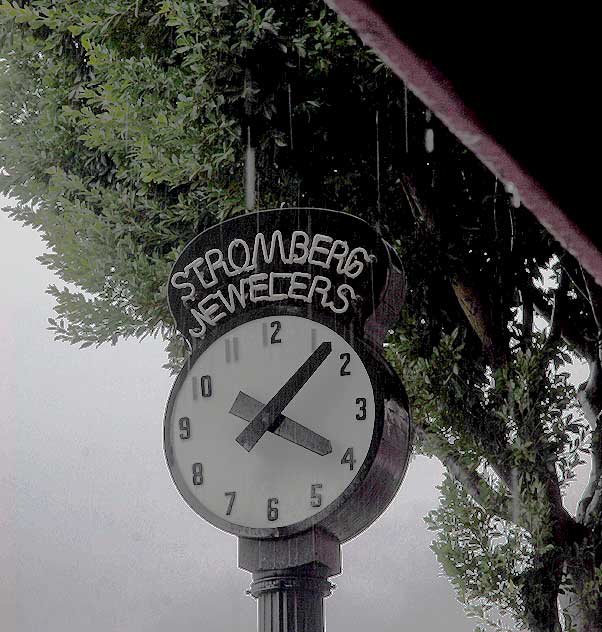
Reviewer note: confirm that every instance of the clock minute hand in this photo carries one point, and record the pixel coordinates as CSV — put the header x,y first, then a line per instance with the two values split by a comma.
x,y
265,419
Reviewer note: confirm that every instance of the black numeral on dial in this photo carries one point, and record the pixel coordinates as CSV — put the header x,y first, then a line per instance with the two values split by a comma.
x,y
274,338
316,497
348,458
276,325
361,413
346,357
184,428
272,509
205,386
231,498
197,473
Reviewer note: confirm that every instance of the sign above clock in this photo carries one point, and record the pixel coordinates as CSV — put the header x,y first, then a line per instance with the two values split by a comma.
x,y
316,260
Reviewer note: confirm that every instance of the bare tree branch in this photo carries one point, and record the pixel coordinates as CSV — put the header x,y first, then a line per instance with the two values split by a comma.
x,y
590,505
417,206
572,268
527,326
590,398
540,587
473,297
558,309
594,295
479,490
472,482
476,305
569,332
565,528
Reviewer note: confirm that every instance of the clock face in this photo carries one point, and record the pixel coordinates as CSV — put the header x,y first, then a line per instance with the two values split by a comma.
x,y
270,425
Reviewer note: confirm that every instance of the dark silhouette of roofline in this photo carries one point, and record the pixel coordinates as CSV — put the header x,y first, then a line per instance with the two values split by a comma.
x,y
516,87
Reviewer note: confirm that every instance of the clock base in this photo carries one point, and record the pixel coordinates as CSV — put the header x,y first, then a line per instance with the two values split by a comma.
x,y
313,546
290,579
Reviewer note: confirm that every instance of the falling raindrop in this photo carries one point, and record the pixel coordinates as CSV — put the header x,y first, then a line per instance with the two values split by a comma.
x,y
513,191
429,139
291,138
515,496
250,190
429,134
377,166
405,114
290,116
494,209
250,175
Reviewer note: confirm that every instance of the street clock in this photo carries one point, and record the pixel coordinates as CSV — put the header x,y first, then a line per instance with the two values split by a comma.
x,y
286,417
281,423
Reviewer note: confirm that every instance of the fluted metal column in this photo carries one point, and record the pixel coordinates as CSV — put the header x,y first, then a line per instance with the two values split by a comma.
x,y
290,578
291,599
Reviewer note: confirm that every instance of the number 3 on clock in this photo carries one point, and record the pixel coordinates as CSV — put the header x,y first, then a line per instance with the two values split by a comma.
x,y
361,414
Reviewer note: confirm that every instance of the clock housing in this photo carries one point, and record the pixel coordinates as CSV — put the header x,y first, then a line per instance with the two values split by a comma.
x,y
354,402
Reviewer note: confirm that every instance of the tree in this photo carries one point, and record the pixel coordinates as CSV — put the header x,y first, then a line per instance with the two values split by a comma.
x,y
124,127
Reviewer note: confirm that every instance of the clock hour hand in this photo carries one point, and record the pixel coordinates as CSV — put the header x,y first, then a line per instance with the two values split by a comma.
x,y
266,418
247,407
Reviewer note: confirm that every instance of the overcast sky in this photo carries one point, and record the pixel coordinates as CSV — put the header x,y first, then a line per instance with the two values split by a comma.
x,y
93,534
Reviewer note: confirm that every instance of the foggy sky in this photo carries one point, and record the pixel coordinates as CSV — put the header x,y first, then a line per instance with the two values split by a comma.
x,y
93,534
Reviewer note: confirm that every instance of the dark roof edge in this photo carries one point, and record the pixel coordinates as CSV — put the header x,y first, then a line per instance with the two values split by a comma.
x,y
436,92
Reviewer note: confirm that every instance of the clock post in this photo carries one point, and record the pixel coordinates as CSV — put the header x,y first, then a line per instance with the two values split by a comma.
x,y
286,426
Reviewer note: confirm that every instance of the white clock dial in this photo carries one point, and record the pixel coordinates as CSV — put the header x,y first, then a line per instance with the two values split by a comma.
x,y
297,467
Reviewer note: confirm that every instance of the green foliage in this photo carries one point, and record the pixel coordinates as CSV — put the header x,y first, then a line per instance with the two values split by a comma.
x,y
124,128
521,422
484,557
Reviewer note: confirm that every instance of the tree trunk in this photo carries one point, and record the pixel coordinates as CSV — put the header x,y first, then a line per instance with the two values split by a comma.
x,y
583,604
579,617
